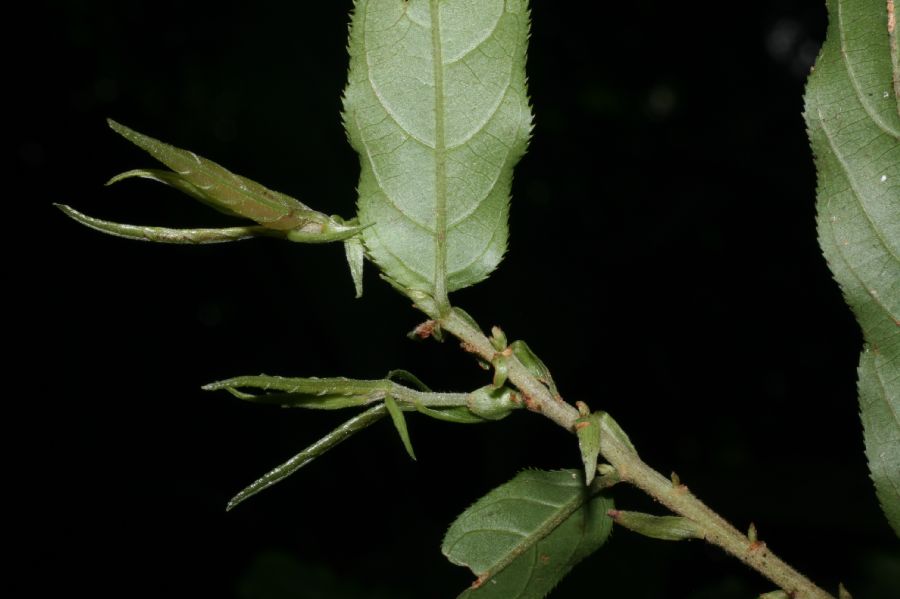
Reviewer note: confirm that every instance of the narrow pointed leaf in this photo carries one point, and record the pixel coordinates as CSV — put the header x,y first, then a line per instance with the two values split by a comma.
x,y
400,424
338,435
436,107
312,393
587,430
853,118
523,537
165,235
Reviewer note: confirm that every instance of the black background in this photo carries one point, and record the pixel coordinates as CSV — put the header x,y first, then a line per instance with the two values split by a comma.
x,y
663,261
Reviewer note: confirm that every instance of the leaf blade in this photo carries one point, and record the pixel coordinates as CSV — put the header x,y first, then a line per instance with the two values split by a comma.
x,y
853,119
436,108
524,536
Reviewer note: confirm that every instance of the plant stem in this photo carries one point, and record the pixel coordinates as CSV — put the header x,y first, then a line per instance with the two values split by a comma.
x,y
429,399
633,470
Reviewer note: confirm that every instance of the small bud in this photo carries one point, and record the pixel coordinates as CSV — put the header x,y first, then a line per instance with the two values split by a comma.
x,y
423,330
583,408
498,338
491,403
843,593
605,469
751,533
676,480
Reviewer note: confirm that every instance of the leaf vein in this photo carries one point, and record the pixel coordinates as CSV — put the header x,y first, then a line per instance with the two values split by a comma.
x,y
876,118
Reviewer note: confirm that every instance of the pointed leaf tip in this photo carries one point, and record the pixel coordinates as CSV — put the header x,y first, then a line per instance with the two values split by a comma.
x,y
399,421
587,428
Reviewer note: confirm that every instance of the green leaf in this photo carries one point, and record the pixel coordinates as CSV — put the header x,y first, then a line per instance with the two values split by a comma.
x,y
523,537
400,424
853,117
338,435
436,107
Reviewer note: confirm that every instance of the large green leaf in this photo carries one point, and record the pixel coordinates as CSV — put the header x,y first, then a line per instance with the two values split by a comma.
x,y
523,537
437,109
853,117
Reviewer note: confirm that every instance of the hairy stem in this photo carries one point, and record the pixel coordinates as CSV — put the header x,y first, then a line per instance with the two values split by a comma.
x,y
633,470
410,397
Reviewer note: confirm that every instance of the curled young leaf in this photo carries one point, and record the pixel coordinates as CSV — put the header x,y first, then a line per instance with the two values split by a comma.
x,y
166,235
277,214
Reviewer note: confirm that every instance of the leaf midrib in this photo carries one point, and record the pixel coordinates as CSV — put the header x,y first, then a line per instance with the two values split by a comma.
x,y
529,540
440,164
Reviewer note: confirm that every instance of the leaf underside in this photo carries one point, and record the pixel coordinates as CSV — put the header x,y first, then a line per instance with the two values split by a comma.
x,y
436,107
853,118
523,537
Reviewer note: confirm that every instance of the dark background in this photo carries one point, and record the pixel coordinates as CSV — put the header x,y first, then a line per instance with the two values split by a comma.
x,y
663,261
